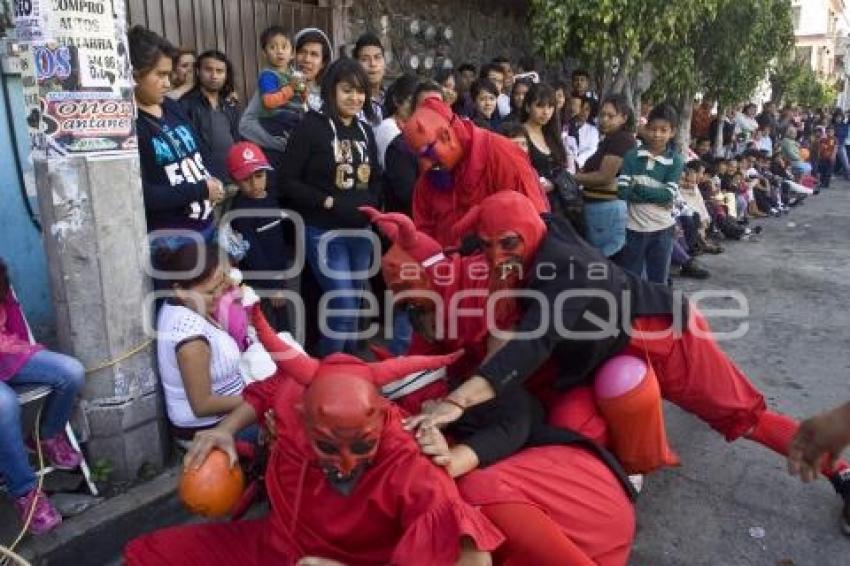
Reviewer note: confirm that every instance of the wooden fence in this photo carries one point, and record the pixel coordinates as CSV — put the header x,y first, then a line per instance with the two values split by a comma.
x,y
232,26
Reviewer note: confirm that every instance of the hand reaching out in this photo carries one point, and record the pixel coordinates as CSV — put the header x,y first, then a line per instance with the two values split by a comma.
x,y
820,438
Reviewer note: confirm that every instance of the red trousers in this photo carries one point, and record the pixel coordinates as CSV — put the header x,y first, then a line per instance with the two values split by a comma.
x,y
692,371
574,489
209,544
695,374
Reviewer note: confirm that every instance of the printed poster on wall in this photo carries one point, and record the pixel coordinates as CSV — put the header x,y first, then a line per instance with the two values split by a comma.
x,y
80,99
89,26
30,20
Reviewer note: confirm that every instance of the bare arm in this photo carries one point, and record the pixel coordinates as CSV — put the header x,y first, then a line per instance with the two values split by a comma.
x,y
220,437
193,359
820,438
606,176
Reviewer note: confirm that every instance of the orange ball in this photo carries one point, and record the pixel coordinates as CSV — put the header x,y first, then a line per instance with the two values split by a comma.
x,y
213,489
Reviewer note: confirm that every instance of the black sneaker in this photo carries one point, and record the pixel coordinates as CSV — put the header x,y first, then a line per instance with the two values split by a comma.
x,y
841,483
693,270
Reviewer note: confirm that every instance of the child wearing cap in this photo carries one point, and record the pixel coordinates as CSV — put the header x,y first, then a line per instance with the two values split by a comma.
x,y
259,220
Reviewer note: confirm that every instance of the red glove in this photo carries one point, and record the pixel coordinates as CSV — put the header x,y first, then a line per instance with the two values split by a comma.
x,y
401,230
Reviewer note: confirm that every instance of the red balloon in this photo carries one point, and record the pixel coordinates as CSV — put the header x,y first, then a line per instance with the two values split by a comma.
x,y
213,489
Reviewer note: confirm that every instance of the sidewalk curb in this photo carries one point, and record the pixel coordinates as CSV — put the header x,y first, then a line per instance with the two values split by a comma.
x,y
99,534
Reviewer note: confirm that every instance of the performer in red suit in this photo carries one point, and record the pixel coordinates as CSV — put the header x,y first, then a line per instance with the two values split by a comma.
x,y
585,294
346,483
556,503
460,165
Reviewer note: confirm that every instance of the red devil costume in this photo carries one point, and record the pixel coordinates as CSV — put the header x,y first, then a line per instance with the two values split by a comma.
x,y
345,482
586,293
490,163
556,504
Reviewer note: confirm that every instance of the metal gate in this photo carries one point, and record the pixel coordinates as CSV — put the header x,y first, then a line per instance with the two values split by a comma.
x,y
232,26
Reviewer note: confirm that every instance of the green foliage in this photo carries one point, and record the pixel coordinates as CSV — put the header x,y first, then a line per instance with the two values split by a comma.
x,y
720,47
786,77
734,53
621,33
807,89
101,470
794,82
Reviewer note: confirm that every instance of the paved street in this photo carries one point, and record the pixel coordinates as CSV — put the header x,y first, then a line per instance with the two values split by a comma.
x,y
734,504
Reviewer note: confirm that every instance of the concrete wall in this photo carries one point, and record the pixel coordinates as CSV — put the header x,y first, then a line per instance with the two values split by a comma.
x,y
813,16
480,30
22,247
818,26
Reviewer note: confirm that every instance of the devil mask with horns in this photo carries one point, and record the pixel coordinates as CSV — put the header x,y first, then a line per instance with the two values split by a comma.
x,y
341,409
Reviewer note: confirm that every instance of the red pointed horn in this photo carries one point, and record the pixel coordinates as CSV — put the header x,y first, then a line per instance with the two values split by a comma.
x,y
390,370
289,360
399,228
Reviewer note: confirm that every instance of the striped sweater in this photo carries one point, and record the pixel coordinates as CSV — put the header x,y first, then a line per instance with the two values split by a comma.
x,y
650,183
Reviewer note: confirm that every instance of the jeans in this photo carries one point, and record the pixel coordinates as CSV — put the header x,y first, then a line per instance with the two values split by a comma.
x,y
606,225
648,252
402,333
66,376
842,158
690,225
741,206
680,254
344,256
801,168
825,167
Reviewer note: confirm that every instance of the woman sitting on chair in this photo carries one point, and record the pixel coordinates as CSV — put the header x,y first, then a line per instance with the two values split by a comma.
x,y
22,363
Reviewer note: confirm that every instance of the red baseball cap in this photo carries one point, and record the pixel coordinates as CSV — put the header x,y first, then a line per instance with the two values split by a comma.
x,y
244,159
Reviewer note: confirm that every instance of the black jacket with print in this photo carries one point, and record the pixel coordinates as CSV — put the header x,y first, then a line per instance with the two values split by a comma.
x,y
173,170
313,169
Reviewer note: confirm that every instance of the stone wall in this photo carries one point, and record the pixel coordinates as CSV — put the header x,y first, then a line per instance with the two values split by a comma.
x,y
477,31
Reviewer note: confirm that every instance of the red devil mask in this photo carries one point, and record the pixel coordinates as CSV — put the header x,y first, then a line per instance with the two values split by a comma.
x,y
509,227
341,409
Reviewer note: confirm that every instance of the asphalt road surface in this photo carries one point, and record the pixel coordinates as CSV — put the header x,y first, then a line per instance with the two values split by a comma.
x,y
735,504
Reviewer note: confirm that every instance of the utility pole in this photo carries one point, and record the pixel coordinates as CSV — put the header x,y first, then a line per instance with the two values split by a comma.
x,y
78,89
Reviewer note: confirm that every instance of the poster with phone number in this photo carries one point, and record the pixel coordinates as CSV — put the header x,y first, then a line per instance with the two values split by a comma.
x,y
77,83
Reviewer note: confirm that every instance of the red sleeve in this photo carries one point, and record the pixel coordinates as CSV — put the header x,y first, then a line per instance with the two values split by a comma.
x,y
434,516
514,170
422,216
261,394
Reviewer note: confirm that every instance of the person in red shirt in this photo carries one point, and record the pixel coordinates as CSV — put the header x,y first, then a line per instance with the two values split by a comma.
x,y
460,164
575,512
613,312
347,485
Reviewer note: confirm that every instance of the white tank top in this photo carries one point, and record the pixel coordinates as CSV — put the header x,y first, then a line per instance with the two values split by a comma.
x,y
177,324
